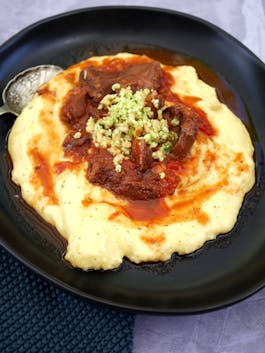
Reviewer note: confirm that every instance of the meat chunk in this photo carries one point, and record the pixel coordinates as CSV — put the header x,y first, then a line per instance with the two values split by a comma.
x,y
130,182
187,136
98,83
141,154
187,129
101,169
145,75
78,108
77,147
75,106
150,187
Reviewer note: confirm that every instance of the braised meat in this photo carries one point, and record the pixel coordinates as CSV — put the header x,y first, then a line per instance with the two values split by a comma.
x,y
149,169
77,147
145,75
98,83
187,129
141,154
78,107
130,183
75,106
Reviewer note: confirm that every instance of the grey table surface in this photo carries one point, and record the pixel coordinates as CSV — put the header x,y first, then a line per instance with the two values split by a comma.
x,y
239,328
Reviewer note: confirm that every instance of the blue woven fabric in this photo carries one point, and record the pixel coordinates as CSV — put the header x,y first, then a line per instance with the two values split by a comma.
x,y
37,317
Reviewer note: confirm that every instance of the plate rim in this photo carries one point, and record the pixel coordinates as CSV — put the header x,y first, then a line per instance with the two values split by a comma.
x,y
37,23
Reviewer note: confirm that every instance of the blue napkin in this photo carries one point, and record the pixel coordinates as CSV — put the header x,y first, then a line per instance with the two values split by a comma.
x,y
37,317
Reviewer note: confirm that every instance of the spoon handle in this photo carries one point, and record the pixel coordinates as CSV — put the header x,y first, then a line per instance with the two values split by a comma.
x,y
3,109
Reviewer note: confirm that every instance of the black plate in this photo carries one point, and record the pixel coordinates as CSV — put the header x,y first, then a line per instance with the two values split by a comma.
x,y
225,270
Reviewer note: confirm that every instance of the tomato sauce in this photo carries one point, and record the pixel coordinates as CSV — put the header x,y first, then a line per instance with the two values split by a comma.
x,y
60,167
44,174
147,211
203,121
155,239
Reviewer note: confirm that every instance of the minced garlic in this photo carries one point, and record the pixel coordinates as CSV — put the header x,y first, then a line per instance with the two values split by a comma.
x,y
129,117
77,135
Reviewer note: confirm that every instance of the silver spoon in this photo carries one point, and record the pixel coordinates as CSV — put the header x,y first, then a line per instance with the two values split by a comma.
x,y
20,90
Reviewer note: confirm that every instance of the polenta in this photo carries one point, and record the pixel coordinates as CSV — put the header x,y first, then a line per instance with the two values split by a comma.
x,y
114,155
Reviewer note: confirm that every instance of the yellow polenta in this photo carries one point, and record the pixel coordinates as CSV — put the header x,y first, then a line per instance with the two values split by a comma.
x,y
206,203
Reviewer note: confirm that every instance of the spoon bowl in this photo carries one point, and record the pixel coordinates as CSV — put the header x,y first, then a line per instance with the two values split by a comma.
x,y
20,89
